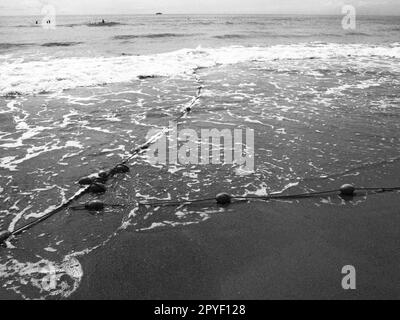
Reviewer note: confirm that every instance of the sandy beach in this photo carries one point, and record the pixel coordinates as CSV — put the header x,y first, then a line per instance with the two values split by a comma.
x,y
268,252
271,250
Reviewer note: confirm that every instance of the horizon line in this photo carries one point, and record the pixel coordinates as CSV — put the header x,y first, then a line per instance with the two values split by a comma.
x,y
205,13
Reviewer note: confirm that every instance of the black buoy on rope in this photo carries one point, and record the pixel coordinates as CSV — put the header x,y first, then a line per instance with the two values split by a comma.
x,y
103,176
85,181
97,188
95,205
223,198
4,235
121,168
347,190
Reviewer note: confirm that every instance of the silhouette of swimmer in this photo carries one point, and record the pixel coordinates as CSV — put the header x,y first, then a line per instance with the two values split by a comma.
x,y
102,21
36,22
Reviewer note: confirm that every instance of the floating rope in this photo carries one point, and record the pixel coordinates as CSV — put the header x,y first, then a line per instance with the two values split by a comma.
x,y
96,184
121,167
4,235
346,190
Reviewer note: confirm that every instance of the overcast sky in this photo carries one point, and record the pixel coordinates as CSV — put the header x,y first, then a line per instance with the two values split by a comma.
x,y
33,7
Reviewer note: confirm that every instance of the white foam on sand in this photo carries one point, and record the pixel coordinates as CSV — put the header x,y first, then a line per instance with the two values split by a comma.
x,y
50,278
11,163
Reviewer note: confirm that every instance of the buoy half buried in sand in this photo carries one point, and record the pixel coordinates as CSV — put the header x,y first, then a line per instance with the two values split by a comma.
x,y
4,235
347,190
223,198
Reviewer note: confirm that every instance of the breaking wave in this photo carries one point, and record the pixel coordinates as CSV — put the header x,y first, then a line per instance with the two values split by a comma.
x,y
60,44
105,24
231,36
152,36
353,33
13,45
54,75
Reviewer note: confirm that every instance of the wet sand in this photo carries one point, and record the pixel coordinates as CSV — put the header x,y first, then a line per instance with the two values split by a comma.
x,y
270,250
258,250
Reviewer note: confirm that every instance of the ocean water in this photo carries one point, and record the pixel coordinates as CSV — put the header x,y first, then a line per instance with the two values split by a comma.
x,y
324,104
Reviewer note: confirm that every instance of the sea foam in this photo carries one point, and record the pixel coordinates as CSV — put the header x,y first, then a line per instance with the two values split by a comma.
x,y
57,74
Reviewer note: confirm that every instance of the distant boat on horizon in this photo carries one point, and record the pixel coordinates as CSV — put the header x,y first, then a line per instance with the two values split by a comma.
x,y
158,13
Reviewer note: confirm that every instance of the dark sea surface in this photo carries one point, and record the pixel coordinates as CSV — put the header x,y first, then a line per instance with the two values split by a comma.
x,y
324,104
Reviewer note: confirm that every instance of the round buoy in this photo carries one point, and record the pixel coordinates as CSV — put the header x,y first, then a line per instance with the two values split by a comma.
x,y
223,198
86,181
188,109
121,168
94,205
4,235
103,175
347,190
97,188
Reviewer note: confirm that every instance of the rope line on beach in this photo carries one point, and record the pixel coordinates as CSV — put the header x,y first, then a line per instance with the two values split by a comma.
x,y
121,166
346,191
96,183
225,198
